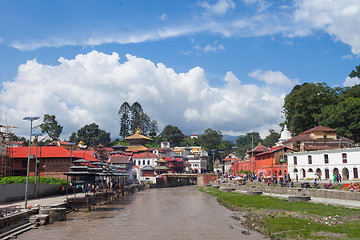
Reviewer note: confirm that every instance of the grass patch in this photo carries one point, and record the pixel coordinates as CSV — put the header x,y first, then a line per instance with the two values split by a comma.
x,y
281,219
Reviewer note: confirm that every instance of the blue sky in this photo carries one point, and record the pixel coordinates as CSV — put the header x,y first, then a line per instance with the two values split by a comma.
x,y
222,64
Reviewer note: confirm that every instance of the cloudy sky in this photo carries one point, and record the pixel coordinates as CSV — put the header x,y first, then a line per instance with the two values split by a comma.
x,y
222,64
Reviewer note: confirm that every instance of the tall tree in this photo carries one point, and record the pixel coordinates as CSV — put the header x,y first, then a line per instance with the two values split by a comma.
x,y
172,134
305,102
91,135
124,114
136,113
51,127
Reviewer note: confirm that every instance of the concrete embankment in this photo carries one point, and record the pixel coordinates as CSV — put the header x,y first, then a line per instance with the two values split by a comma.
x,y
47,210
325,196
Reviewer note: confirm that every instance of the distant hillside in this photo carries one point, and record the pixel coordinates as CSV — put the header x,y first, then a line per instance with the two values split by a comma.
x,y
231,138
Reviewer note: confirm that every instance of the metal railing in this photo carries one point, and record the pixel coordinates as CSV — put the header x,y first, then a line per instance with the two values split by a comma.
x,y
9,210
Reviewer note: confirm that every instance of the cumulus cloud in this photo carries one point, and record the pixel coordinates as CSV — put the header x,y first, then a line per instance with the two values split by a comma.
x,y
273,78
349,82
91,87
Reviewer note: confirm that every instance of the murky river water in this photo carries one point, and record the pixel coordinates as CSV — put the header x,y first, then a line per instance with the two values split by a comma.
x,y
168,213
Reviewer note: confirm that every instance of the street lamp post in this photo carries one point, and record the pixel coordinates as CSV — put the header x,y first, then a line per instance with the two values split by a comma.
x,y
213,153
71,145
31,119
36,165
283,162
252,153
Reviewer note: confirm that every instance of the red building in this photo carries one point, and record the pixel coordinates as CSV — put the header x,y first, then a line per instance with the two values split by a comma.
x,y
53,161
263,161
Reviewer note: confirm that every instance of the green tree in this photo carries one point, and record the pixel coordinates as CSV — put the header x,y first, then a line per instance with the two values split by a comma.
x,y
136,113
355,73
305,102
344,117
91,135
51,127
210,140
147,126
247,142
172,134
124,114
271,139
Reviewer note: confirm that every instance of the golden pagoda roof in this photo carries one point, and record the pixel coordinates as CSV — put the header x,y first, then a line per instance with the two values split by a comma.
x,y
137,135
160,160
136,148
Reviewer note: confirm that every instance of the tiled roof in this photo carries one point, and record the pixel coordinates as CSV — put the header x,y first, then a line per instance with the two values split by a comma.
x,y
136,148
311,147
144,155
318,129
87,155
120,159
42,152
259,148
300,138
63,142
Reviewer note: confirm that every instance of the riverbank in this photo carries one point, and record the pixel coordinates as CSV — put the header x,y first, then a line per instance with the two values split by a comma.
x,y
282,219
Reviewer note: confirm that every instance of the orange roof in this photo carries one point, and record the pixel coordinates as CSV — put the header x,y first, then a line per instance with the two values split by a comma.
x,y
43,152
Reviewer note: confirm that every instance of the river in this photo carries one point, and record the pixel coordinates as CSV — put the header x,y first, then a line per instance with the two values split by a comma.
x,y
164,213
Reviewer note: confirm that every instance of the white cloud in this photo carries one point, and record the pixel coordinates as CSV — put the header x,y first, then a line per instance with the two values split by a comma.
x,y
91,87
273,78
340,19
349,82
163,17
219,8
210,47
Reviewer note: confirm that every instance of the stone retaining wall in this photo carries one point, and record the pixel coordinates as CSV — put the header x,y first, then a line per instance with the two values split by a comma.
x,y
322,193
13,192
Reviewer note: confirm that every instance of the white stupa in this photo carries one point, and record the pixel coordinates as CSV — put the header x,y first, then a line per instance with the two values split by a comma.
x,y
284,136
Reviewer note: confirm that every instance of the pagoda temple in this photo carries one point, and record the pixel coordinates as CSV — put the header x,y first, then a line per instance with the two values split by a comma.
x,y
137,142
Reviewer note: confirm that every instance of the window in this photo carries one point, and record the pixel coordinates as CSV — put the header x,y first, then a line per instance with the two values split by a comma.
x,y
143,162
326,158
327,175
356,175
295,160
148,162
344,158
23,164
309,159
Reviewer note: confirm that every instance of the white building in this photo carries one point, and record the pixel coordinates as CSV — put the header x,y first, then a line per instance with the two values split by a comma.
x,y
325,163
198,165
144,159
